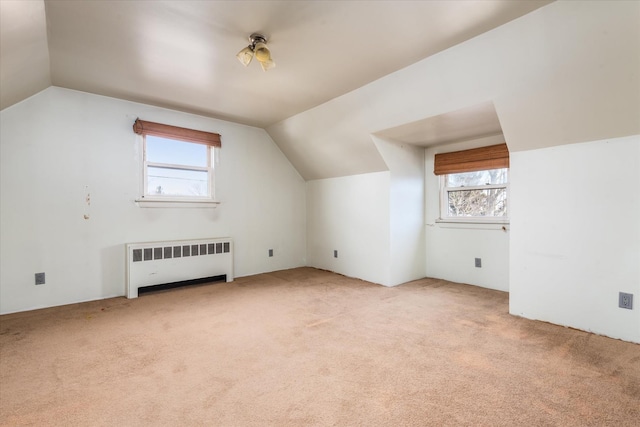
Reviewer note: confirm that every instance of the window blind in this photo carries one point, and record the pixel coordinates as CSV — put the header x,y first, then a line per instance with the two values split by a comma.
x,y
484,158
142,127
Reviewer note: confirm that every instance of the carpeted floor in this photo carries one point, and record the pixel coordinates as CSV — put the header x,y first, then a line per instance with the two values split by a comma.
x,y
305,347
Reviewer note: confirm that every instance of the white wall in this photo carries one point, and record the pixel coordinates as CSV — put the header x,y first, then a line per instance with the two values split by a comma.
x,y
59,141
375,221
406,209
451,249
576,235
350,215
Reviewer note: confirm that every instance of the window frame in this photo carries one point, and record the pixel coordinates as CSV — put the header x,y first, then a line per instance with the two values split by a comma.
x,y
209,169
444,202
183,135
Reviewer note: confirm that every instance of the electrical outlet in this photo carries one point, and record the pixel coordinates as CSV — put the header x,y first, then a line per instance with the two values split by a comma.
x,y
39,278
479,262
270,252
625,300
335,254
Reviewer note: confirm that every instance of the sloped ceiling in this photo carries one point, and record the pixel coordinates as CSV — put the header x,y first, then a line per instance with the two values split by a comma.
x,y
24,54
551,72
566,73
181,54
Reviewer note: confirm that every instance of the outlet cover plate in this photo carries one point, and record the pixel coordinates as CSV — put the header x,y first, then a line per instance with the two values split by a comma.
x,y
479,262
39,278
270,252
625,300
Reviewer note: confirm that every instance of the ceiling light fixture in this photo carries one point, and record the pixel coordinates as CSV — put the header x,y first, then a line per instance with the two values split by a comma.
x,y
258,49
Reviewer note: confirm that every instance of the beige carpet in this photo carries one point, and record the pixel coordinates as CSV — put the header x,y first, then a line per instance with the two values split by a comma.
x,y
305,347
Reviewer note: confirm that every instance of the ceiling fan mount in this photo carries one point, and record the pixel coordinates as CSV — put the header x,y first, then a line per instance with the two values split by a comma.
x,y
257,38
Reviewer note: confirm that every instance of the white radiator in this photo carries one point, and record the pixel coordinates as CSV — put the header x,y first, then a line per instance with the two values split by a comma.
x,y
157,263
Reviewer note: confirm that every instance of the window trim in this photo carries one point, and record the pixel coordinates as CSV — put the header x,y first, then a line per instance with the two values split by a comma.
x,y
146,203
444,204
476,159
211,140
209,169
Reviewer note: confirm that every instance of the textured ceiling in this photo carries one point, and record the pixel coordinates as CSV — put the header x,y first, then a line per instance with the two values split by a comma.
x,y
181,54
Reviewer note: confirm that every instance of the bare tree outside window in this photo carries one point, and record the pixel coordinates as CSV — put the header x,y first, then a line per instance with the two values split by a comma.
x,y
476,194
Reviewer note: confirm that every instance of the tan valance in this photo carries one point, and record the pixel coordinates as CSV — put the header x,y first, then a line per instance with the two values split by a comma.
x,y
484,158
142,127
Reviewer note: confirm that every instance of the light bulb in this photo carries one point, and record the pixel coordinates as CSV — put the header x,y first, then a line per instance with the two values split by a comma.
x,y
245,56
267,65
262,52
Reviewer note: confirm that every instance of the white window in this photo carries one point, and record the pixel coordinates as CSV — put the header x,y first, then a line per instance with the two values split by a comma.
x,y
478,196
177,169
178,165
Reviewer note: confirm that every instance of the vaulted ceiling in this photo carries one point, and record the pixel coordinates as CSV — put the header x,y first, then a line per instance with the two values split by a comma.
x,y
540,73
181,54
